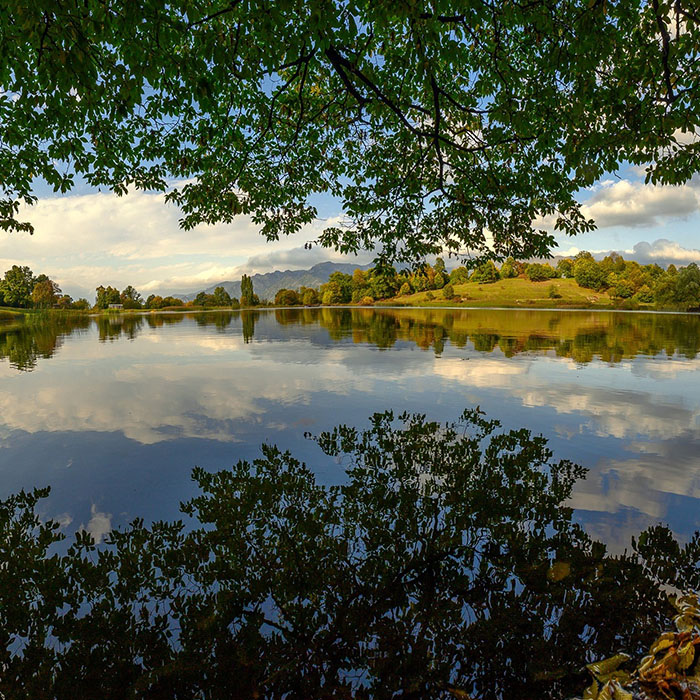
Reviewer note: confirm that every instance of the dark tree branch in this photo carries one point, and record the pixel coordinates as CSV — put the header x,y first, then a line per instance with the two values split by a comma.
x,y
232,6
665,50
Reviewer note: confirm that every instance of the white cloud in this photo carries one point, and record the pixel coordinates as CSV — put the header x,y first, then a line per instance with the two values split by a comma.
x,y
662,251
686,138
90,239
85,240
634,204
298,259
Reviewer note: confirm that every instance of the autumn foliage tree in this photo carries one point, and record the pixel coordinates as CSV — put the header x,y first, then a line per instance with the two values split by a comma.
x,y
45,293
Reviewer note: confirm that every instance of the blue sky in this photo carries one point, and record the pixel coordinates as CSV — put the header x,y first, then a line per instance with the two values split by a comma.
x,y
87,238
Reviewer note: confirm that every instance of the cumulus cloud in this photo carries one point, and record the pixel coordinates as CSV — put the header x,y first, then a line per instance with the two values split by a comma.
x,y
686,138
300,258
98,238
84,240
663,252
634,204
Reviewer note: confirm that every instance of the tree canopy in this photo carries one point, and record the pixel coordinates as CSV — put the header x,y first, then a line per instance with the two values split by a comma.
x,y
432,123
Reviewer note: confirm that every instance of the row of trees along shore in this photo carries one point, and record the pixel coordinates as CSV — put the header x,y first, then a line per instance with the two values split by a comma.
x,y
626,281
21,289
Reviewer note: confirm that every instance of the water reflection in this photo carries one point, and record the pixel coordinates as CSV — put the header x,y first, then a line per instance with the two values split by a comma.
x,y
580,336
439,568
619,393
23,344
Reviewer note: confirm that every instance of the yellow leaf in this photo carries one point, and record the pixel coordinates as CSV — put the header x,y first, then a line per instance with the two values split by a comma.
x,y
687,600
661,644
591,693
621,694
686,654
607,666
685,623
646,663
606,692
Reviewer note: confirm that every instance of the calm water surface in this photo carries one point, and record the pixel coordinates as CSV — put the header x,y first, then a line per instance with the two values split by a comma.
x,y
114,413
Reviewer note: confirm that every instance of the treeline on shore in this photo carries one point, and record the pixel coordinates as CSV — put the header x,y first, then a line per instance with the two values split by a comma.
x,y
625,281
20,288
628,284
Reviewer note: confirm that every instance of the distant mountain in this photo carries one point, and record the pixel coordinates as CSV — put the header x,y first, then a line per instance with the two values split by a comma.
x,y
267,285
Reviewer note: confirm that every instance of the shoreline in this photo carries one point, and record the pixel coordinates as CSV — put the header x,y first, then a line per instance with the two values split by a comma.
x,y
10,315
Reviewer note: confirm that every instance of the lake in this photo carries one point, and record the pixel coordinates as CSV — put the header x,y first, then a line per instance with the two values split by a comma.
x,y
114,412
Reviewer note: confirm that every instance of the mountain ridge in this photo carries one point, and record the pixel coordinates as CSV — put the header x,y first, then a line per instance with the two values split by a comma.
x,y
267,284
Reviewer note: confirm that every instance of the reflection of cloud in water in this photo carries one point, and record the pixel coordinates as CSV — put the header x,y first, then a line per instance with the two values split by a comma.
x,y
194,382
663,369
643,482
613,412
627,494
99,525
64,519
483,373
188,396
150,403
619,413
617,529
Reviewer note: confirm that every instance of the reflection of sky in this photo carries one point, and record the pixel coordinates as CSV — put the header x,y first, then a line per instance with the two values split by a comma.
x,y
116,427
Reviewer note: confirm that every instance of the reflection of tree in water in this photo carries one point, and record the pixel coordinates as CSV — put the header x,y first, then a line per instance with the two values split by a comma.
x,y
581,336
158,320
248,321
22,344
219,319
445,565
114,326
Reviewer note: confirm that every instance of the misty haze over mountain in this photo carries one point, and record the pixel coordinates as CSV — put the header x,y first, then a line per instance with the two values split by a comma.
x,y
268,284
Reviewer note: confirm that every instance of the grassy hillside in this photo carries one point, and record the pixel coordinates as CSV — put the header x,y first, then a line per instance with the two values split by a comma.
x,y
513,293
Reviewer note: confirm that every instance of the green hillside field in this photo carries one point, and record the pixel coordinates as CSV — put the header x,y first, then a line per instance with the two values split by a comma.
x,y
513,293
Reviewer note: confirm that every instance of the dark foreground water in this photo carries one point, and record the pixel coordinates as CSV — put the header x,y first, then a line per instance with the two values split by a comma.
x,y
114,413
